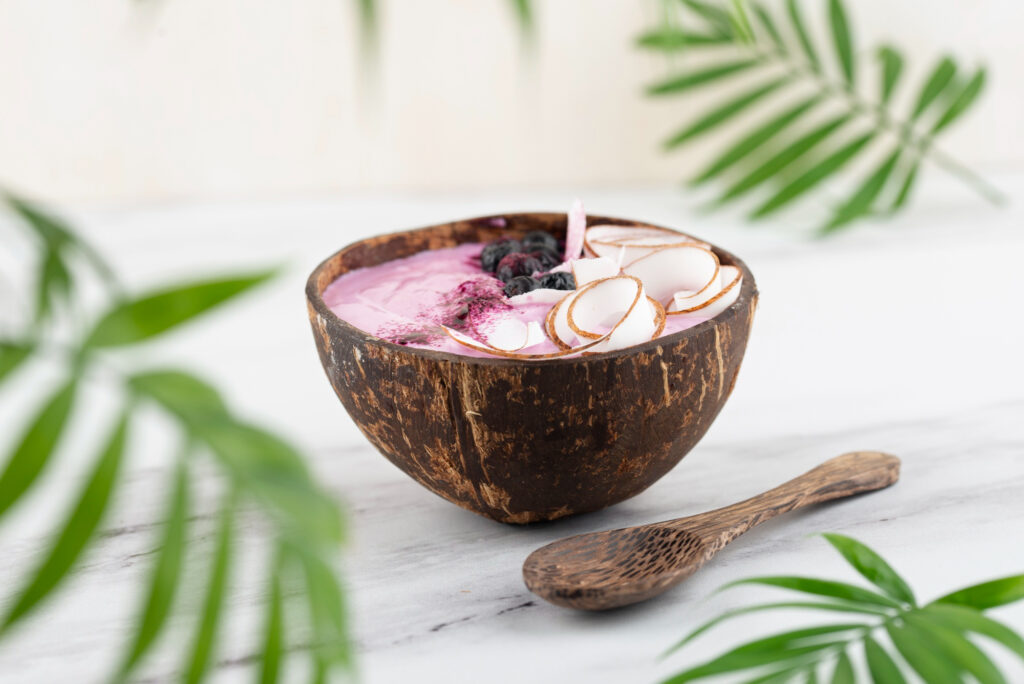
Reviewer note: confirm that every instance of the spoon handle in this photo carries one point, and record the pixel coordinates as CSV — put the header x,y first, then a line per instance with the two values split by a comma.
x,y
842,476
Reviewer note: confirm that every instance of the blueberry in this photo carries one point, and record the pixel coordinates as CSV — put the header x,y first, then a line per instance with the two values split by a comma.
x,y
540,239
497,249
517,264
520,285
558,281
547,258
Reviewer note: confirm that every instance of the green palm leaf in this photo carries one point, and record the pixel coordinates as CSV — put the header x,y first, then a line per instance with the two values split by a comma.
x,y
843,672
53,286
809,605
764,18
939,78
892,67
166,575
872,567
741,22
966,656
794,151
813,176
992,594
327,610
797,23
909,178
523,9
918,650
820,587
723,113
273,639
715,16
842,39
966,619
671,39
152,314
193,401
882,667
755,139
274,473
77,531
36,446
204,641
961,102
368,29
678,84
758,653
862,200
12,355
56,234
798,637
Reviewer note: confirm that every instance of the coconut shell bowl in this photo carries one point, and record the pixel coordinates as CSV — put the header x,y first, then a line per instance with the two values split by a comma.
x,y
523,441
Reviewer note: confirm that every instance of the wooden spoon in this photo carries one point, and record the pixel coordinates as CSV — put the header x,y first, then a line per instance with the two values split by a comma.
x,y
615,568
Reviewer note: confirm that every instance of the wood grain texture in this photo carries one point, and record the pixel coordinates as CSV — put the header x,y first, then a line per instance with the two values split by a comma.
x,y
519,441
615,568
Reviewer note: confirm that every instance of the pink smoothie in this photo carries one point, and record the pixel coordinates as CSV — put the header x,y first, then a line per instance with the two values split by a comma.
x,y
405,301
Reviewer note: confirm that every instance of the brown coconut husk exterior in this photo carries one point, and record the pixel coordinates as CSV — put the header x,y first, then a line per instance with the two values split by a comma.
x,y
523,441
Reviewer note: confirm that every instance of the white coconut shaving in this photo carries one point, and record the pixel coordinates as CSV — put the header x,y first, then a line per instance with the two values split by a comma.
x,y
512,334
588,270
574,232
543,295
629,243
713,300
670,270
614,312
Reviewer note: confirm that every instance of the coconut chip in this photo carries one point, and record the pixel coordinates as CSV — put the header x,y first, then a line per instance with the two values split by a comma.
x,y
629,243
588,270
574,232
542,295
716,300
669,270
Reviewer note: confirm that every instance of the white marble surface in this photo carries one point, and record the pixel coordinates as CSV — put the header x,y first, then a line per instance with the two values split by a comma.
x,y
904,337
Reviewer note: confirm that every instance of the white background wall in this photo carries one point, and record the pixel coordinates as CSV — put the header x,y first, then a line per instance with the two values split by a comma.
x,y
138,100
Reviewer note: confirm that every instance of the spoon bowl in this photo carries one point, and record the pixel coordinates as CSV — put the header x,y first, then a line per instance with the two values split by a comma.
x,y
615,567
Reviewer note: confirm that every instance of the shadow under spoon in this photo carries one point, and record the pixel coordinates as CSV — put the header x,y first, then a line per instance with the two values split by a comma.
x,y
614,568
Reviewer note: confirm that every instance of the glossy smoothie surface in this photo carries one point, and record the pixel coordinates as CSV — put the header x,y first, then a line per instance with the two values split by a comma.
x,y
405,301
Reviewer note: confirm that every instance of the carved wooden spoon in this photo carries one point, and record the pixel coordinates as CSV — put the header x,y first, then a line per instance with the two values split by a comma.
x,y
615,568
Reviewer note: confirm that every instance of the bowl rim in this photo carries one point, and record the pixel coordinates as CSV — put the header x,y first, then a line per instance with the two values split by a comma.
x,y
748,291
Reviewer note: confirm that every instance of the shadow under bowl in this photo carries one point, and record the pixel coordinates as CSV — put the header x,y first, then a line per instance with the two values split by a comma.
x,y
524,441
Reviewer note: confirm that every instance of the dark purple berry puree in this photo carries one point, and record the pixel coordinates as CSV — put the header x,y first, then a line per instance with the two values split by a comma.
x,y
470,289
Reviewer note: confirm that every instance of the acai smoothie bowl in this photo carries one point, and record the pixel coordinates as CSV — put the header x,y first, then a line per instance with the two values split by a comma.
x,y
535,365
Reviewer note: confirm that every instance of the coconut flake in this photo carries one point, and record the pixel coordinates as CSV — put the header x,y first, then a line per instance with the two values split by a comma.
x,y
689,269
621,298
557,322
507,334
574,233
629,243
725,294
588,270
564,267
543,295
